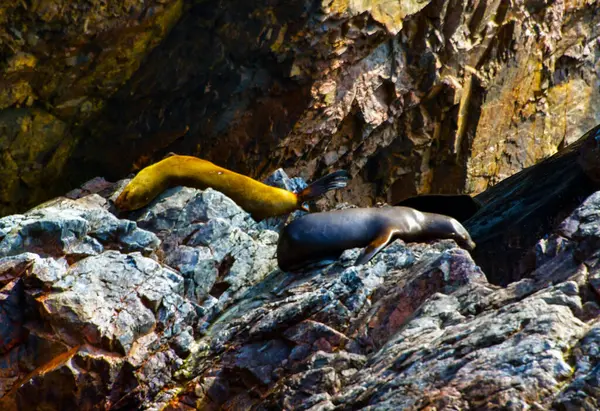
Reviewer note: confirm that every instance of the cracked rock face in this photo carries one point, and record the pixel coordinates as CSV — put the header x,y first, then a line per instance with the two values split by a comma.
x,y
410,96
180,305
61,62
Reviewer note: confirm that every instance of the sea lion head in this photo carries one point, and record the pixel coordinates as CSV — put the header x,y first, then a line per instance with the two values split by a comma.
x,y
460,234
139,192
442,226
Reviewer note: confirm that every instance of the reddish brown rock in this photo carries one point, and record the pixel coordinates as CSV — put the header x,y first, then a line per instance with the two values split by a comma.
x,y
94,323
409,96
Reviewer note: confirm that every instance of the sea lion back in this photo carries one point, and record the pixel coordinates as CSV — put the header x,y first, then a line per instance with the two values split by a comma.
x,y
324,236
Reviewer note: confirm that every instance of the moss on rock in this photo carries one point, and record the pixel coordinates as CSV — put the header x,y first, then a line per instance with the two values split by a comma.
x,y
34,146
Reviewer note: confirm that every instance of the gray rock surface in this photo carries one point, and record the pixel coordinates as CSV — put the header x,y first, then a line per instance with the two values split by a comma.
x,y
181,306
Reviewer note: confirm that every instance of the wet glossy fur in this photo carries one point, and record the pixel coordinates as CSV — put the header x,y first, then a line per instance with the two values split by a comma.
x,y
321,236
259,199
459,206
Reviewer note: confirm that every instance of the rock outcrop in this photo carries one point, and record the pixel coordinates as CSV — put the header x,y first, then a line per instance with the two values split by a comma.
x,y
411,96
525,207
181,306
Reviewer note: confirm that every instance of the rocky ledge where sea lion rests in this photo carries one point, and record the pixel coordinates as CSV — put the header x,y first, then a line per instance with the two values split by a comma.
x,y
180,306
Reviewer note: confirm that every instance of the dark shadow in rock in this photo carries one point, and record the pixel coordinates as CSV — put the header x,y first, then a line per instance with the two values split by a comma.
x,y
459,206
525,207
207,96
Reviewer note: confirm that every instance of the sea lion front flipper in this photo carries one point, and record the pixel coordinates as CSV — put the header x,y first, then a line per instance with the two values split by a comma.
x,y
376,246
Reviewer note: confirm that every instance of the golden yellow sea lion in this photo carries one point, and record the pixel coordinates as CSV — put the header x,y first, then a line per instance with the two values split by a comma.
x,y
259,199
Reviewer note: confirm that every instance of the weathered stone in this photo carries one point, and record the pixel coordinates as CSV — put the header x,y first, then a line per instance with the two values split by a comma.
x,y
61,63
35,146
411,96
74,228
108,300
44,273
15,266
221,253
473,358
261,359
54,386
584,389
198,268
12,319
310,332
520,210
444,274
206,320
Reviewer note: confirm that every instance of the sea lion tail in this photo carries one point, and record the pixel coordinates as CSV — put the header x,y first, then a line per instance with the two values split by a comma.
x,y
333,181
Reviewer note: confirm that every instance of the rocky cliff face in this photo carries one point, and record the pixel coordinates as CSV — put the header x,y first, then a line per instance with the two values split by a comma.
x,y
180,306
520,210
60,62
411,96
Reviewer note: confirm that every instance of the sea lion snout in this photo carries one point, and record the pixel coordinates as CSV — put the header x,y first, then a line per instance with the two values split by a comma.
x,y
132,198
462,236
468,244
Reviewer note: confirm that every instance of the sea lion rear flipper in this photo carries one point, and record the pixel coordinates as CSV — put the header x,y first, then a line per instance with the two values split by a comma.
x,y
376,246
337,179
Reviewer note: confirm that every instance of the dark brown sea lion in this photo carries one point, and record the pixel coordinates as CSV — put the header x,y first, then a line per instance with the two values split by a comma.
x,y
259,199
324,236
459,206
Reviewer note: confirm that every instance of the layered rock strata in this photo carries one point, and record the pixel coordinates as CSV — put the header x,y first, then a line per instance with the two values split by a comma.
x,y
410,96
180,306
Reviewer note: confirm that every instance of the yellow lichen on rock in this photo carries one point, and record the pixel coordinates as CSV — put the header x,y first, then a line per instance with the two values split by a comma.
x,y
502,109
463,112
572,106
21,61
391,14
18,94
277,44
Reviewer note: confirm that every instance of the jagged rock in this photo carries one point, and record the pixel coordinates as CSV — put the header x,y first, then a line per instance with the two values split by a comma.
x,y
194,313
520,210
74,229
583,391
105,379
409,96
108,300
